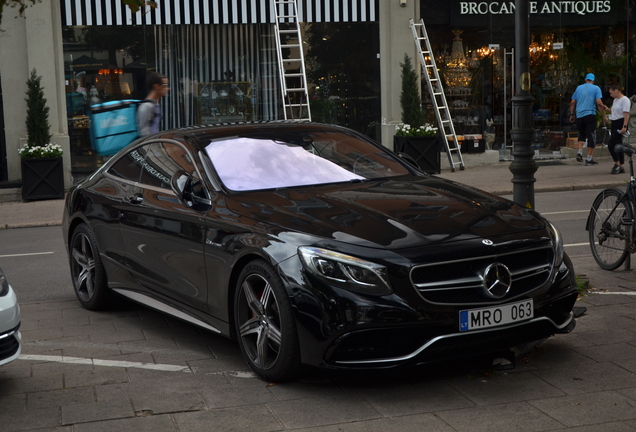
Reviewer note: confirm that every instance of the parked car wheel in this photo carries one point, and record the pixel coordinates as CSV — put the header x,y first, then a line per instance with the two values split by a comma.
x,y
89,278
265,324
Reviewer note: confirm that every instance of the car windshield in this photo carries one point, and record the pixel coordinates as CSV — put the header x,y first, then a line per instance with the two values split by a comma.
x,y
285,159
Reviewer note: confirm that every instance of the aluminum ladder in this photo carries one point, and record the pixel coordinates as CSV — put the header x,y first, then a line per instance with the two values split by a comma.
x,y
436,91
291,70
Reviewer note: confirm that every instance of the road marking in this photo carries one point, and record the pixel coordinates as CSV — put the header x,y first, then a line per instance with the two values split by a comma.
x,y
565,212
616,292
108,363
576,244
27,254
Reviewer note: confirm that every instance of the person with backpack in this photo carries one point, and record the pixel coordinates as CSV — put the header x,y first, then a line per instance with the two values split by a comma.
x,y
149,110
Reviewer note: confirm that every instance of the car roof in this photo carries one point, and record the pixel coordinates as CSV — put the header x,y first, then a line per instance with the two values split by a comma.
x,y
203,134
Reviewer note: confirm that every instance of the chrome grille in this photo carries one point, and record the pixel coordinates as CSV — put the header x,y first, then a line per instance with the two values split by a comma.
x,y
458,282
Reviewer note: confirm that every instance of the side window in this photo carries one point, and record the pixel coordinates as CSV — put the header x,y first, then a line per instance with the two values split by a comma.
x,y
128,167
162,161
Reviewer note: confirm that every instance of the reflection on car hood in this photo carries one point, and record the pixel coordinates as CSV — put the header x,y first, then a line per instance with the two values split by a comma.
x,y
389,213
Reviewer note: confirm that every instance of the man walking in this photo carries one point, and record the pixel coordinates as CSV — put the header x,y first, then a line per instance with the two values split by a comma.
x,y
585,101
149,110
619,119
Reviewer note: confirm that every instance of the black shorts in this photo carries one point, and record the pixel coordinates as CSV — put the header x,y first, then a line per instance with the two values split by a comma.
x,y
587,129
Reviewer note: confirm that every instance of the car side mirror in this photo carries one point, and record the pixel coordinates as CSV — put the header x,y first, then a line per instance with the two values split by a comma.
x,y
180,184
409,160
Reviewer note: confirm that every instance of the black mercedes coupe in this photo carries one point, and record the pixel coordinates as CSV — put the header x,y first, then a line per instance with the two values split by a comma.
x,y
312,245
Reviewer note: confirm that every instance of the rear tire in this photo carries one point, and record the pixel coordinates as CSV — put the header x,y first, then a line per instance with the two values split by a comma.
x,y
265,324
87,271
608,234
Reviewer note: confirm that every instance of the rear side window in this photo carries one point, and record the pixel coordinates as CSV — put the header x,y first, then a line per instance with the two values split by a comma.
x,y
128,167
162,161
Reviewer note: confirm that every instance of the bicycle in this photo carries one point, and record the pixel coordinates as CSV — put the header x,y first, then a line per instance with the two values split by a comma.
x,y
611,221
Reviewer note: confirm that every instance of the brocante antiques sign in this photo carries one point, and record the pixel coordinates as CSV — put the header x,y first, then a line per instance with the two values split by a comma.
x,y
564,13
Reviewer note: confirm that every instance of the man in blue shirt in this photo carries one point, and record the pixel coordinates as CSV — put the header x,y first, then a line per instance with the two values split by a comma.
x,y
585,101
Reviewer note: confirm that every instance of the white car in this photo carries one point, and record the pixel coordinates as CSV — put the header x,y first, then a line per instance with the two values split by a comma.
x,y
10,338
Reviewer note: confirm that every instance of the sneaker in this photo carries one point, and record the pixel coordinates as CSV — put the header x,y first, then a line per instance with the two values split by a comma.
x,y
621,170
590,162
616,169
579,158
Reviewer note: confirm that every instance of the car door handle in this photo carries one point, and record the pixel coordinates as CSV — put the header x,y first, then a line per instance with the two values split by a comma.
x,y
136,198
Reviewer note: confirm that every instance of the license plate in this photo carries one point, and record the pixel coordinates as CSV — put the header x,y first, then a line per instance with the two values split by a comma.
x,y
495,316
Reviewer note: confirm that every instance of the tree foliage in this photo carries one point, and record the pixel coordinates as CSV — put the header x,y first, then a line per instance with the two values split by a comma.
x,y
37,120
410,97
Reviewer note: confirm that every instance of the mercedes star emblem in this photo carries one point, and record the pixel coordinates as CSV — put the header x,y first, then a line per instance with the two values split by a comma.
x,y
496,281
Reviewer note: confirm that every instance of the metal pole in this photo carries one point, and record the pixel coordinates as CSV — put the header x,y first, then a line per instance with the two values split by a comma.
x,y
523,166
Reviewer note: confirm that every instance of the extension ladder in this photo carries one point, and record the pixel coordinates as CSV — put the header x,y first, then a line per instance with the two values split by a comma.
x,y
436,90
291,70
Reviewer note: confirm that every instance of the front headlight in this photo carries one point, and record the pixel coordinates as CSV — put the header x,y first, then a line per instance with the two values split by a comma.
x,y
351,273
558,243
4,284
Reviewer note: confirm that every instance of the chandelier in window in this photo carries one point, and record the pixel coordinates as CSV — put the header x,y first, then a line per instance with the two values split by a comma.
x,y
457,74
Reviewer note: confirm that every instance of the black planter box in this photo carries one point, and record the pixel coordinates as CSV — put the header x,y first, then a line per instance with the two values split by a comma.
x,y
473,146
424,150
42,179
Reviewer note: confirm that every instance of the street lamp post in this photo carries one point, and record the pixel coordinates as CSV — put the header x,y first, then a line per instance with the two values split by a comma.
x,y
523,166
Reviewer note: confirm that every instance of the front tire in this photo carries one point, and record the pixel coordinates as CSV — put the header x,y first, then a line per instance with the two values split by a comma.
x,y
265,324
609,236
87,271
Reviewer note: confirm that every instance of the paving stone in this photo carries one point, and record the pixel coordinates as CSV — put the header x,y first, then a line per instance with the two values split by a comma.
x,y
41,348
129,390
33,384
161,423
181,356
609,352
16,369
63,322
102,375
587,378
36,314
588,409
405,400
322,411
87,412
162,404
59,398
166,344
48,368
87,350
606,427
603,337
12,402
179,382
518,417
504,388
14,421
42,334
305,388
411,423
235,397
252,418
220,365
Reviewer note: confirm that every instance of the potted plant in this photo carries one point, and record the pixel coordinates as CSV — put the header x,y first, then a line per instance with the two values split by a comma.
x,y
414,136
42,173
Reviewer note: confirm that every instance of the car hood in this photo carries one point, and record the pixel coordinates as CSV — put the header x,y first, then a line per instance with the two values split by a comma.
x,y
392,214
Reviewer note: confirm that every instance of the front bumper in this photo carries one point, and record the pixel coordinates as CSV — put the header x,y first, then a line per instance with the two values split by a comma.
x,y
10,337
338,329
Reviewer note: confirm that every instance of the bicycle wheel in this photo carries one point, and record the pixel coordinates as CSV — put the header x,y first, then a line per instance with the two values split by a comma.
x,y
607,229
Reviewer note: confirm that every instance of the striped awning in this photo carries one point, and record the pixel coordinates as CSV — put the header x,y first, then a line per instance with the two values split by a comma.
x,y
114,12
